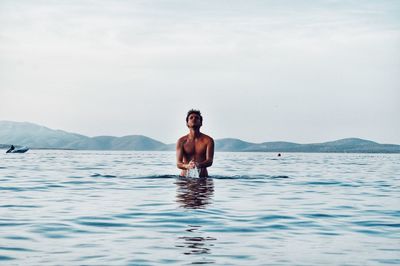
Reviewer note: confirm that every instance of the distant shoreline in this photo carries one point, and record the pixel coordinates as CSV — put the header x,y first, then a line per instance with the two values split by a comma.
x,y
42,138
274,152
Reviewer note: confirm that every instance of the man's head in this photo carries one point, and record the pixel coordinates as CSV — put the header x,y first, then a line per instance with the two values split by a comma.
x,y
194,118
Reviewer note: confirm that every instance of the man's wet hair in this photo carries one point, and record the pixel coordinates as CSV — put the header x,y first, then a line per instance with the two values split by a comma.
x,y
193,111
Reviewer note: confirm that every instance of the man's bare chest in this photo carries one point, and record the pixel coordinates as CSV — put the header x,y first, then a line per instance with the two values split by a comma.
x,y
194,147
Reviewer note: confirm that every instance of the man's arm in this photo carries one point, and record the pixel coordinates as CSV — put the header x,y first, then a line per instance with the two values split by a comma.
x,y
179,157
209,155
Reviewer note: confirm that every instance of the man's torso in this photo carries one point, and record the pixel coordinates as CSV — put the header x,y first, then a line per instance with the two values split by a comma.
x,y
195,149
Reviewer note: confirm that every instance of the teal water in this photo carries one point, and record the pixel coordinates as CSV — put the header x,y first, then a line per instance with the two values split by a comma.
x,y
131,208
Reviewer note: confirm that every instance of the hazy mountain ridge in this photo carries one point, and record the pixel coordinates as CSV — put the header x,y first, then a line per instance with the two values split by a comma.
x,y
36,136
342,145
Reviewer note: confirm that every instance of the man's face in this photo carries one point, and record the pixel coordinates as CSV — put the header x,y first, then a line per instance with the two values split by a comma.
x,y
194,121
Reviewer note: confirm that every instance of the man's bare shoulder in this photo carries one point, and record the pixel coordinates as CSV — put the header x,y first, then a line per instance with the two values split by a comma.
x,y
182,139
207,138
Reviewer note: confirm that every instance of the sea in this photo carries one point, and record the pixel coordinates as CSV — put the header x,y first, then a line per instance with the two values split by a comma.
x,y
132,208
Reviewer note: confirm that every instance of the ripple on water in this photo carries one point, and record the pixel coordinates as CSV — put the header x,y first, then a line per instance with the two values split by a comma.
x,y
100,222
377,224
324,183
16,237
5,258
325,216
78,182
388,261
14,189
57,230
233,177
11,223
103,175
18,206
17,249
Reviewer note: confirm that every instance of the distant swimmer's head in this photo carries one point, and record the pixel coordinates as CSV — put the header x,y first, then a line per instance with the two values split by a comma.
x,y
194,118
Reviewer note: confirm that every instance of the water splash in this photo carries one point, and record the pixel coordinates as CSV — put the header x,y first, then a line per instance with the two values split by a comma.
x,y
194,172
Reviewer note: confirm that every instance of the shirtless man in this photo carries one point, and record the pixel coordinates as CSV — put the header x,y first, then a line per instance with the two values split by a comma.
x,y
194,149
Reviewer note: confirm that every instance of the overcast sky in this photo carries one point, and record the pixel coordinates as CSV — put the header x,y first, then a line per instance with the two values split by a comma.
x,y
302,71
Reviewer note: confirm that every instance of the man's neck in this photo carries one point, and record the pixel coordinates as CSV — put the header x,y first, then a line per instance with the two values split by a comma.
x,y
194,133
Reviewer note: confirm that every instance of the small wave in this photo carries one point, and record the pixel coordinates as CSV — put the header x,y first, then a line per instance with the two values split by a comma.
x,y
103,224
250,177
157,177
15,237
325,183
88,168
55,186
325,215
90,257
18,206
275,217
99,222
101,175
388,261
11,223
376,224
235,177
11,188
16,249
78,182
2,258
75,176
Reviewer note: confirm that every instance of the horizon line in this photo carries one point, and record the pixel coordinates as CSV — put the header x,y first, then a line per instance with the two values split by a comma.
x,y
233,138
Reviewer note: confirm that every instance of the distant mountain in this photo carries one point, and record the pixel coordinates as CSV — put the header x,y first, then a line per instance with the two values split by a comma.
x,y
343,145
230,144
32,135
36,136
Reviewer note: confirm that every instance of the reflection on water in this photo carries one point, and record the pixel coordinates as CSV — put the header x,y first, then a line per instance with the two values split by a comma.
x,y
195,193
195,244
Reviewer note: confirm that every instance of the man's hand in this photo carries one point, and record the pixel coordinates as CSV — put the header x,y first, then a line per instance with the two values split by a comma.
x,y
192,164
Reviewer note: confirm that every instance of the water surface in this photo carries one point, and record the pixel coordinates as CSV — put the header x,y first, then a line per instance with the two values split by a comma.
x,y
131,208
